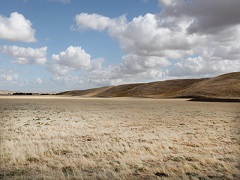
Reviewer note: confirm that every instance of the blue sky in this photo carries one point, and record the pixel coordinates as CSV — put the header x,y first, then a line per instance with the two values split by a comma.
x,y
57,45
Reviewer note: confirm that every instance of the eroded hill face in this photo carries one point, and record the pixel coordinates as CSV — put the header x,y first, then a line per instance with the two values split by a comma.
x,y
224,86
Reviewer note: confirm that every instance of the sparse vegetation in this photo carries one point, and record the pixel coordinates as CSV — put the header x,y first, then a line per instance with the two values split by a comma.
x,y
138,139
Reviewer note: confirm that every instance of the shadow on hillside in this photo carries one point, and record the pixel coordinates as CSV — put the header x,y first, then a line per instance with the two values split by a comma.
x,y
210,99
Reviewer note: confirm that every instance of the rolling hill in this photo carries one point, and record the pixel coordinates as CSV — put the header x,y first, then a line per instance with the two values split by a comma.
x,y
226,86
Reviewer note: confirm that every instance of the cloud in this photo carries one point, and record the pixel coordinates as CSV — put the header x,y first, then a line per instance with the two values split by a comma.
x,y
96,63
167,44
8,77
207,16
75,66
85,21
57,69
71,81
39,81
143,36
215,21
186,39
16,28
134,64
73,59
132,69
97,22
148,47
169,3
25,55
199,67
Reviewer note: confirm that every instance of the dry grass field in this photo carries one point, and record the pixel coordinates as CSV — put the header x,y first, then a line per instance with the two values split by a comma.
x,y
118,138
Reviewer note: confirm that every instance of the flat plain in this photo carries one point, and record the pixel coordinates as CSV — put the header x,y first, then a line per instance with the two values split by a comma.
x,y
52,137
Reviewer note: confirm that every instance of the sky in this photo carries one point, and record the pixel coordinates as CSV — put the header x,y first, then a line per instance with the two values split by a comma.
x,y
58,45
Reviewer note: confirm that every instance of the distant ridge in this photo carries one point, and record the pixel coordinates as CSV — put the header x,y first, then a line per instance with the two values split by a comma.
x,y
226,86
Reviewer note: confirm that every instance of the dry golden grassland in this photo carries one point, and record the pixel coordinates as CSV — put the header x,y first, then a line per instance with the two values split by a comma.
x,y
118,138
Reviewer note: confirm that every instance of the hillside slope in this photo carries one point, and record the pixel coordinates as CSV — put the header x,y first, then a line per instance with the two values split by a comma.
x,y
223,86
162,88
87,92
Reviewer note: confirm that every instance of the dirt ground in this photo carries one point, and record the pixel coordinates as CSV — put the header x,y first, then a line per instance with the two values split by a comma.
x,y
49,137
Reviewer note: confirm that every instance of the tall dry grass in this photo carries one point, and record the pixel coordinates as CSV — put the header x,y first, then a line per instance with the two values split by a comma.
x,y
74,138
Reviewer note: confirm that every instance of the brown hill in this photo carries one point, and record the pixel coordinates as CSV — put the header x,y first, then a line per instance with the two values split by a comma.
x,y
88,92
118,91
224,86
162,88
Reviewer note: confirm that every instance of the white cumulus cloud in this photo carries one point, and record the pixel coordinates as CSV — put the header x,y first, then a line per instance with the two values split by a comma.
x,y
133,64
24,55
75,59
143,35
16,28
199,67
132,69
92,21
165,44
